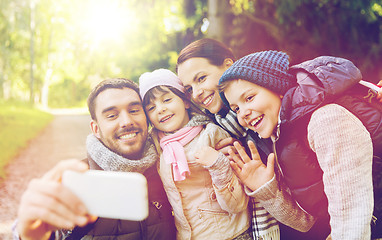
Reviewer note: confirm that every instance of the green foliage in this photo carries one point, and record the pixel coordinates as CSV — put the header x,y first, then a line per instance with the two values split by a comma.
x,y
309,28
75,44
68,94
71,45
19,124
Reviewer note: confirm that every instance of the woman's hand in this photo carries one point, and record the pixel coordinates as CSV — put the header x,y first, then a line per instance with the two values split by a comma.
x,y
251,171
225,145
206,156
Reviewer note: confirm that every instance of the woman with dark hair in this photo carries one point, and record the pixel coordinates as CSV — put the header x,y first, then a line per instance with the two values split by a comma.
x,y
200,66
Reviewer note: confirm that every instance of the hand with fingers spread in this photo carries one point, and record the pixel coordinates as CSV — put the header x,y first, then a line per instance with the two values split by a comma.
x,y
47,205
251,170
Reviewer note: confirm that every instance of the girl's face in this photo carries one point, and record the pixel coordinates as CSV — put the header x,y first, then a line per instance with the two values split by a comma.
x,y
167,111
257,107
200,79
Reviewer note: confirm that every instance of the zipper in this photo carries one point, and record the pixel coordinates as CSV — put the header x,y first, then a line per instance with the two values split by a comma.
x,y
275,138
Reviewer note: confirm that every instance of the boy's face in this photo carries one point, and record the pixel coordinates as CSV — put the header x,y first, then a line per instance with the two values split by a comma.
x,y
167,111
121,122
257,108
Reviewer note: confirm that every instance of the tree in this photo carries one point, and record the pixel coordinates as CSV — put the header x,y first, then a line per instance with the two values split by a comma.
x,y
217,17
53,52
309,28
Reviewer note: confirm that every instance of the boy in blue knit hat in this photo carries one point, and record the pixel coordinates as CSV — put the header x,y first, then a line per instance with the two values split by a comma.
x,y
324,136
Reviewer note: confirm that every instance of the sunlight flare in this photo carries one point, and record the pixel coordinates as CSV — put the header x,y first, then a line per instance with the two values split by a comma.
x,y
107,20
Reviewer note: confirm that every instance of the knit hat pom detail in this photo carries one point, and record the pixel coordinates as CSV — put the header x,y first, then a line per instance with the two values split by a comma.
x,y
268,69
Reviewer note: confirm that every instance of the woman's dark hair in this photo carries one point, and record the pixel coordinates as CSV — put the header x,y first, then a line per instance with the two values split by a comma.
x,y
214,51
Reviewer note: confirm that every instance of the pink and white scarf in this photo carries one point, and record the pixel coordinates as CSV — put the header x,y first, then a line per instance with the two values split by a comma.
x,y
173,151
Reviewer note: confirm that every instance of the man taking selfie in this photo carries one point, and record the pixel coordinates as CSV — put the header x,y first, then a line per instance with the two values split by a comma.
x,y
119,143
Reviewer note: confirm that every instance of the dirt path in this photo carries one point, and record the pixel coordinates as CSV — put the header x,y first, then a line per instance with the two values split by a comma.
x,y
63,138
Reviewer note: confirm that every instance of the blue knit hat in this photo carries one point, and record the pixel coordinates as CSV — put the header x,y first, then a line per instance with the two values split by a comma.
x,y
268,69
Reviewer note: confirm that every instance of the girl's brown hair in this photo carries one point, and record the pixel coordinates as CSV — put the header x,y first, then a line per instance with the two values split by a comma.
x,y
150,95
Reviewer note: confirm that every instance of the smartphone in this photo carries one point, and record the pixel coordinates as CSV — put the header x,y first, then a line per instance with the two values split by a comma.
x,y
370,85
117,195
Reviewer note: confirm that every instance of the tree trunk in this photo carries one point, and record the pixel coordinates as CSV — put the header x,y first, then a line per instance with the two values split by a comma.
x,y
31,49
2,80
217,10
48,74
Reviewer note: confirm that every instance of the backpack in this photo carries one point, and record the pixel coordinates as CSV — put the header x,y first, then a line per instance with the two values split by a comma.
x,y
368,96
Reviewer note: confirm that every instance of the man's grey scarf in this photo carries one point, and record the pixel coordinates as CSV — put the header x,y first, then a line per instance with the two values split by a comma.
x,y
111,161
197,120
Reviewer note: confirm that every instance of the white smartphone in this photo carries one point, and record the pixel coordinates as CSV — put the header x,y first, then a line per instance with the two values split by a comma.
x,y
370,85
117,195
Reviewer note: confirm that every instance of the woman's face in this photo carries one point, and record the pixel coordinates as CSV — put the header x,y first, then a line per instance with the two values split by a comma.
x,y
200,79
257,108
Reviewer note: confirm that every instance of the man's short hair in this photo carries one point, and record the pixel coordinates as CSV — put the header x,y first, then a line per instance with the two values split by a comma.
x,y
119,83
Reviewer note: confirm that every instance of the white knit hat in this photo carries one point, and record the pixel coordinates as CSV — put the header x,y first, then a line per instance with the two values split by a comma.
x,y
159,77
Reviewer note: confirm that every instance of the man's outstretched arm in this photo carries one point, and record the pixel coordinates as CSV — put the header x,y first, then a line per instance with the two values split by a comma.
x,y
47,205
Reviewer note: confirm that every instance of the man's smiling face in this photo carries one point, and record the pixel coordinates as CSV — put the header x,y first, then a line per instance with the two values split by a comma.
x,y
120,122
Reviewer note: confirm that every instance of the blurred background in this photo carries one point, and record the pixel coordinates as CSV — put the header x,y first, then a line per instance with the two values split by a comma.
x,y
53,52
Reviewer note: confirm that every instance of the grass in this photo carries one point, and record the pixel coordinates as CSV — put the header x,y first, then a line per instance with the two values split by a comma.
x,y
19,123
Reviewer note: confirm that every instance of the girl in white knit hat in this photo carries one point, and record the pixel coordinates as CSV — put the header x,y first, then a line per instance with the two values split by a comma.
x,y
207,198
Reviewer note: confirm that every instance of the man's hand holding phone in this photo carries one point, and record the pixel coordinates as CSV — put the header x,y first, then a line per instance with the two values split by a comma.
x,y
47,205
70,195
116,195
